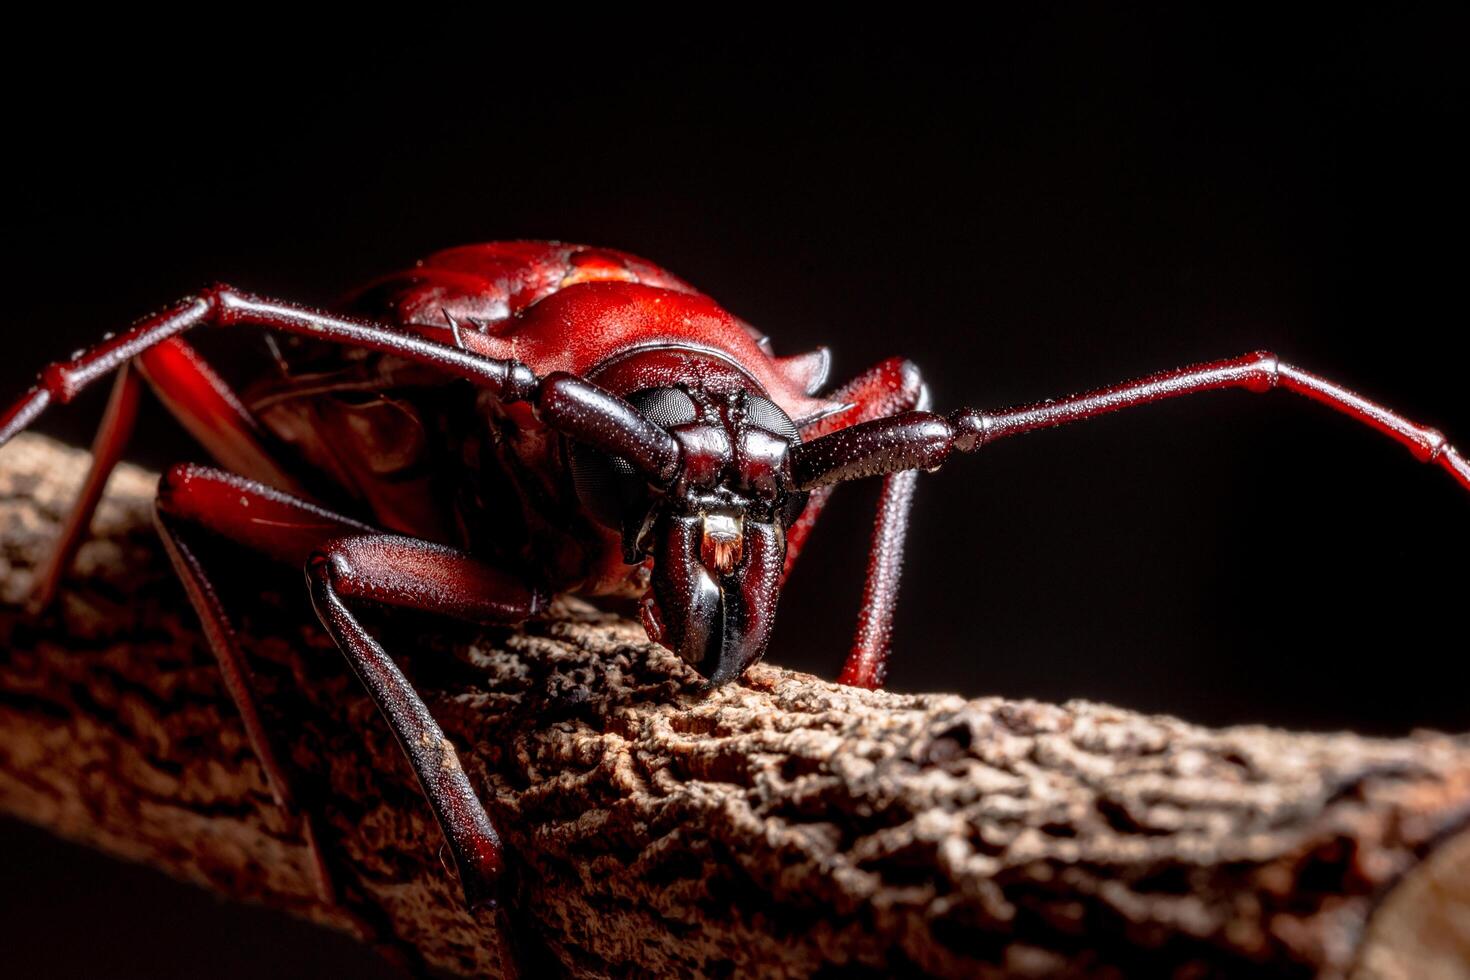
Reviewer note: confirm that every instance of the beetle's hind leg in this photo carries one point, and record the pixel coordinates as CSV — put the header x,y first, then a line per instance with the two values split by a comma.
x,y
349,562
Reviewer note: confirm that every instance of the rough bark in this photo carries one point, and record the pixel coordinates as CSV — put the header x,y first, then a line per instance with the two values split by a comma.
x,y
781,826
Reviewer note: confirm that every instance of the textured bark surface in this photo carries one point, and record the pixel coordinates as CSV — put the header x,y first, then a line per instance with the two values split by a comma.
x,y
782,825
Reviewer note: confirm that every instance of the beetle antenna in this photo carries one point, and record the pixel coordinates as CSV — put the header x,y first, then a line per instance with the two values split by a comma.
x,y
602,420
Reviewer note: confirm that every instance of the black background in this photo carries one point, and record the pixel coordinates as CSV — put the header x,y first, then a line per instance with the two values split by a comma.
x,y
1025,208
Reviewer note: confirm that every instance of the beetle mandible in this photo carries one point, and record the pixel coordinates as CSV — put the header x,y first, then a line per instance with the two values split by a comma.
x,y
506,421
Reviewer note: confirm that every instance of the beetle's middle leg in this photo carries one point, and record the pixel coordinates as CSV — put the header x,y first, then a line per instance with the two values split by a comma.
x,y
346,561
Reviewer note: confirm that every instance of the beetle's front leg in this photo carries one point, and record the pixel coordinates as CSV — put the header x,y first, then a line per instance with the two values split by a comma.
x,y
890,386
410,573
346,561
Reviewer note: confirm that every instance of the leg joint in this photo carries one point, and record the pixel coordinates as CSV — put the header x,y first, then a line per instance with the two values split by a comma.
x,y
329,566
174,483
972,429
62,381
1268,368
1435,444
220,300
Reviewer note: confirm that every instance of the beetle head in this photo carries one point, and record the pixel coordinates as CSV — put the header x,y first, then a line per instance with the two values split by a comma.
x,y
716,532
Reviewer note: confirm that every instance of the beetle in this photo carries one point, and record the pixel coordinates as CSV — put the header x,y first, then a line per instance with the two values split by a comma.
x,y
506,421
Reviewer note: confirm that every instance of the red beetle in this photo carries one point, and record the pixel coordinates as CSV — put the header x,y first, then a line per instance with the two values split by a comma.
x,y
507,421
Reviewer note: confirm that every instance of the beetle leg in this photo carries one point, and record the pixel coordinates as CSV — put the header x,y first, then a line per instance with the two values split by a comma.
x,y
904,443
347,561
890,386
202,403
107,447
893,385
240,684
411,573
908,441
867,660
213,414
192,497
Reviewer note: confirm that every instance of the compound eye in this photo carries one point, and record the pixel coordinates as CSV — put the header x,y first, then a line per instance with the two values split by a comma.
x,y
608,486
763,414
665,406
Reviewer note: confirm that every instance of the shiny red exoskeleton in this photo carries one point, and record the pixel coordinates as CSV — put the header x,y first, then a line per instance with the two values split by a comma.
x,y
506,421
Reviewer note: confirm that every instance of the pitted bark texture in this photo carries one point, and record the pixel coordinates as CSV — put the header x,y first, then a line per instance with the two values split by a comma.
x,y
778,826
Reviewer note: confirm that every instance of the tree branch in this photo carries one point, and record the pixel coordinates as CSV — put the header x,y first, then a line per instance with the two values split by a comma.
x,y
782,825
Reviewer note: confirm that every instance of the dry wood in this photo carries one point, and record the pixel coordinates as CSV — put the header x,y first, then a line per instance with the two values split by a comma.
x,y
781,826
